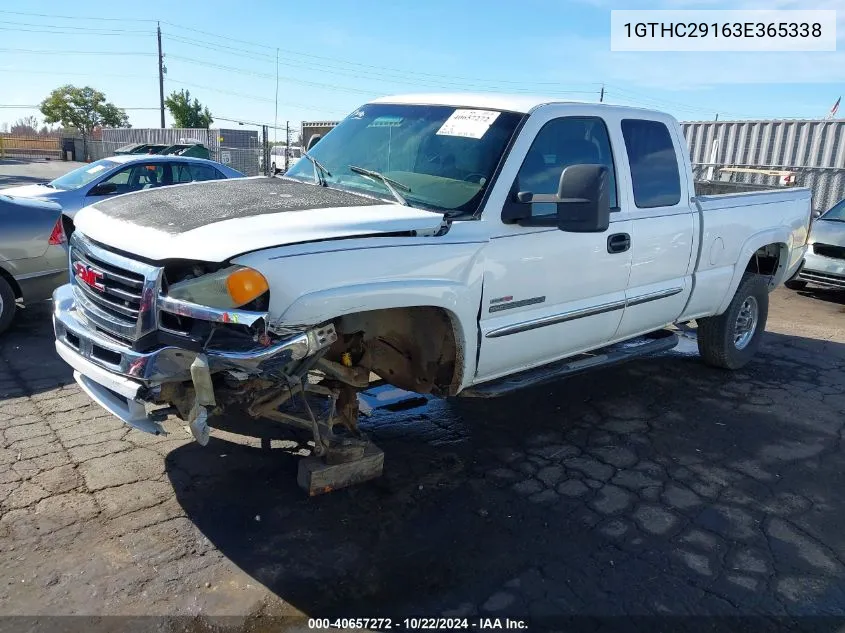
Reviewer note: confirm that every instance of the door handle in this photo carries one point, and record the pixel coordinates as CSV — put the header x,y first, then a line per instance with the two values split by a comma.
x,y
618,243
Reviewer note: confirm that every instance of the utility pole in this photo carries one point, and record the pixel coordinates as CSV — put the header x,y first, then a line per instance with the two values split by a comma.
x,y
717,116
160,74
287,144
601,96
276,115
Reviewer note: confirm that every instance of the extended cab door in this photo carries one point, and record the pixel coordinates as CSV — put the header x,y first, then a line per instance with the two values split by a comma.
x,y
547,293
662,222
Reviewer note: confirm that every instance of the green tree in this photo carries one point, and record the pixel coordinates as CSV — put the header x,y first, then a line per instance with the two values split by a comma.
x,y
185,113
83,109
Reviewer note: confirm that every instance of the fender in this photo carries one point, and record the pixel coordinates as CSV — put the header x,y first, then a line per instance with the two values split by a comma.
x,y
778,235
460,302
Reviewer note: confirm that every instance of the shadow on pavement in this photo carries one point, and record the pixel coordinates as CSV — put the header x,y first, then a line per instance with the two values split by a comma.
x,y
659,487
830,295
28,360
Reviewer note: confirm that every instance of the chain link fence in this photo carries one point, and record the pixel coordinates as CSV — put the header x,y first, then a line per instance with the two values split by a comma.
x,y
826,183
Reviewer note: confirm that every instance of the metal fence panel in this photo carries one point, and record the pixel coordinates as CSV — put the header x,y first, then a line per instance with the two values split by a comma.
x,y
240,149
813,149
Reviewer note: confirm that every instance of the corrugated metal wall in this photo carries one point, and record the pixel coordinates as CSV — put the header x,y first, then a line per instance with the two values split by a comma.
x,y
815,150
240,149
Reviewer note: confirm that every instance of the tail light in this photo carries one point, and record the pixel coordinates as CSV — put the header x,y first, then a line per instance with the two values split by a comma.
x,y
58,235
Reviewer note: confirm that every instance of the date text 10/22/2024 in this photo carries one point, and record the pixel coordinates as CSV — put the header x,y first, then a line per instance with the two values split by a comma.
x,y
417,624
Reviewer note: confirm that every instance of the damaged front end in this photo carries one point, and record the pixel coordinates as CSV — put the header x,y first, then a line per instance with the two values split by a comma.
x,y
143,346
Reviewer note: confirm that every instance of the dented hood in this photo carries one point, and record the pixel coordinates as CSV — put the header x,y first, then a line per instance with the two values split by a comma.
x,y
213,221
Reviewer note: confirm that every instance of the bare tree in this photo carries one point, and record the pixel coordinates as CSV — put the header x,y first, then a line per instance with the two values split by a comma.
x,y
26,126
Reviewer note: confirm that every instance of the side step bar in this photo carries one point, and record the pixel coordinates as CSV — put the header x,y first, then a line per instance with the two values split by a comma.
x,y
615,354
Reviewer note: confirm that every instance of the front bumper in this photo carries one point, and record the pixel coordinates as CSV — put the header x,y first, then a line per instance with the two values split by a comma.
x,y
826,271
121,380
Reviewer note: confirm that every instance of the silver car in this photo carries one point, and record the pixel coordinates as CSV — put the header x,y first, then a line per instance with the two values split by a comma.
x,y
33,259
824,263
121,174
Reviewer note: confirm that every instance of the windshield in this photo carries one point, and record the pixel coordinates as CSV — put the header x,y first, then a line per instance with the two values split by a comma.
x,y
444,156
82,176
835,213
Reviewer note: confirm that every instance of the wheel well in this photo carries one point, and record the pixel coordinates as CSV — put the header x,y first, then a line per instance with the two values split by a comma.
x,y
14,284
767,260
415,348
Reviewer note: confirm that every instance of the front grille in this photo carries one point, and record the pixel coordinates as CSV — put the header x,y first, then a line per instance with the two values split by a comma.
x,y
116,295
829,250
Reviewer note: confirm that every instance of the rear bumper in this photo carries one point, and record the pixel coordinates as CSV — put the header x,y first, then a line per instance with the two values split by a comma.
x,y
825,271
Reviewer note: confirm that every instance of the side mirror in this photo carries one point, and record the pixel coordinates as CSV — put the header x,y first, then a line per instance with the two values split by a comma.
x,y
584,205
103,189
313,141
582,201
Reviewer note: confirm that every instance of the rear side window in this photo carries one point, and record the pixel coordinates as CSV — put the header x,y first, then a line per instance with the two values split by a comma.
x,y
204,172
654,164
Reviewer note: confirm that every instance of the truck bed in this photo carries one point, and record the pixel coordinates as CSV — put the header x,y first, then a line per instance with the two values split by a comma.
x,y
730,225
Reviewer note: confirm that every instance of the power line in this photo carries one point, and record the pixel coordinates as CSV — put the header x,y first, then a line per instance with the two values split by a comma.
x,y
68,29
62,73
60,52
30,106
307,61
76,17
254,97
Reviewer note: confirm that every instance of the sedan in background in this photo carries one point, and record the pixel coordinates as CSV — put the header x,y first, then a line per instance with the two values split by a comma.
x,y
824,263
121,174
33,259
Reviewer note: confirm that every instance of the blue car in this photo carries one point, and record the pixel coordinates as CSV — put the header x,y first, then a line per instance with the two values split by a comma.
x,y
121,174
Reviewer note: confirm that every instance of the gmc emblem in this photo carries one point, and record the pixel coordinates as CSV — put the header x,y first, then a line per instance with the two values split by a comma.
x,y
89,276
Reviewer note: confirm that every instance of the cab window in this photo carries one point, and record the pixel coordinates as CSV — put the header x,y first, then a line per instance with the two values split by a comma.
x,y
654,164
559,144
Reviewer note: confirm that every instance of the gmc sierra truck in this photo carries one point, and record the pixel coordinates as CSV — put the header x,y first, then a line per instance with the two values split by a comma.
x,y
454,245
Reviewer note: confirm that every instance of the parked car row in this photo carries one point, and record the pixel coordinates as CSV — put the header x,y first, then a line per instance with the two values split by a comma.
x,y
33,256
192,149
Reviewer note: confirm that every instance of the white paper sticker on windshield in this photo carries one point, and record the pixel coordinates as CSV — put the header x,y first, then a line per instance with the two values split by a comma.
x,y
95,169
468,123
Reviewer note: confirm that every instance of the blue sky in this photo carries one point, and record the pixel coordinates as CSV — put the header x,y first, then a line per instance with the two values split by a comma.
x,y
336,55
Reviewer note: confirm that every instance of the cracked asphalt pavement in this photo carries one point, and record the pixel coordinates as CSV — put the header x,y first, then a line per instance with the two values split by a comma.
x,y
661,487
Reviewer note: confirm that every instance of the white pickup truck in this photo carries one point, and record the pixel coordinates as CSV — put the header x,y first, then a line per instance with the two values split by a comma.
x,y
444,244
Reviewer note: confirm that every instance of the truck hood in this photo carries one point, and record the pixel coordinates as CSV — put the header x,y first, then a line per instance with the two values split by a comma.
x,y
214,221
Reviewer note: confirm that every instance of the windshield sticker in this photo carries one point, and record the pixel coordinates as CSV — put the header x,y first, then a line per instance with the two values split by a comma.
x,y
468,123
386,121
95,169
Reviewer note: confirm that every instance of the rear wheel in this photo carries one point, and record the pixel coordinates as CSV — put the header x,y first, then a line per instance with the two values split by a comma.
x,y
731,339
7,304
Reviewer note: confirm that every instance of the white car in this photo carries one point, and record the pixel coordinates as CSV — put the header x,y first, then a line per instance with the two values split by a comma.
x,y
448,244
121,174
825,261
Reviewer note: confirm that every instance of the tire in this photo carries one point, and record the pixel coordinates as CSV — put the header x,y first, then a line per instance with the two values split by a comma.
x,y
720,342
795,284
7,305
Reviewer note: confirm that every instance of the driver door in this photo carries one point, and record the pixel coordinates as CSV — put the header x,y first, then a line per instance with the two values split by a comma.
x,y
134,177
547,293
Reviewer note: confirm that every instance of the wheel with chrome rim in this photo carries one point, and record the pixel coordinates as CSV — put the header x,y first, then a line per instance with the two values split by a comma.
x,y
730,340
7,304
746,323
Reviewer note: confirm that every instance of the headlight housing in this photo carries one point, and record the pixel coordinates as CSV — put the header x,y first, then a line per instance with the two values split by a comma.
x,y
230,287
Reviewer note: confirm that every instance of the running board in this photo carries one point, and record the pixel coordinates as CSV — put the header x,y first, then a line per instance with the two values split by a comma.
x,y
615,354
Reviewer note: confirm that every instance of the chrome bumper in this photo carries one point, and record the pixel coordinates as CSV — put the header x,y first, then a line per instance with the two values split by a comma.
x,y
825,271
119,378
